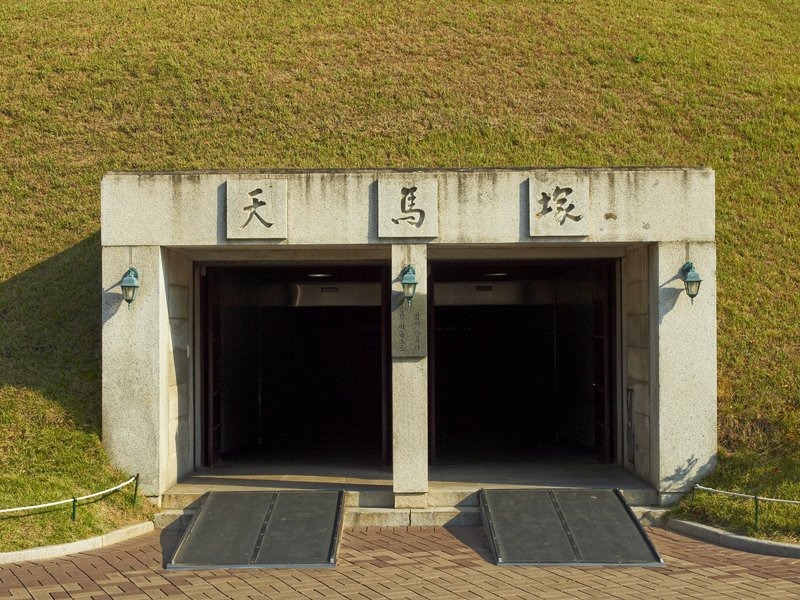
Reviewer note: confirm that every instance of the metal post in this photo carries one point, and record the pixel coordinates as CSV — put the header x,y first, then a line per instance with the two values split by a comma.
x,y
135,489
755,499
74,509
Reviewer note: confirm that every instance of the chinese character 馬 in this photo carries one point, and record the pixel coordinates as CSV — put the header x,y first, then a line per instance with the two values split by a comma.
x,y
415,215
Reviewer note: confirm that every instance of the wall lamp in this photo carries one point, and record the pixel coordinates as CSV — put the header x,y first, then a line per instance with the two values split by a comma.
x,y
130,285
691,280
409,282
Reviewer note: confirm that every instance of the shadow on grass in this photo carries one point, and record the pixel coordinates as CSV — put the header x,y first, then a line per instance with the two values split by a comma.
x,y
50,326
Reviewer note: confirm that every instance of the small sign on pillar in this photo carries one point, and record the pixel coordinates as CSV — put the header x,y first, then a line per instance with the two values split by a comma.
x,y
410,330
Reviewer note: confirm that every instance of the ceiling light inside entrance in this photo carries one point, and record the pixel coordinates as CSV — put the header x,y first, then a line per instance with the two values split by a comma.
x,y
319,275
496,274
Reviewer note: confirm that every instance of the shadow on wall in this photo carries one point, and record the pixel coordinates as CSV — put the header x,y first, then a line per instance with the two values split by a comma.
x,y
685,475
50,326
668,295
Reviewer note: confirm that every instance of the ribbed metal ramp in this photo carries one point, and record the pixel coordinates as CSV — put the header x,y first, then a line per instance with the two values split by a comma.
x,y
234,530
564,527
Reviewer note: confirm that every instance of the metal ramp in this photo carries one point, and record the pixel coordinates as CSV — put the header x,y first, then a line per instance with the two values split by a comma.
x,y
564,527
235,530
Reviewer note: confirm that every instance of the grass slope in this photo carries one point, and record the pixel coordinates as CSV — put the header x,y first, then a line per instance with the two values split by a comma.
x,y
88,86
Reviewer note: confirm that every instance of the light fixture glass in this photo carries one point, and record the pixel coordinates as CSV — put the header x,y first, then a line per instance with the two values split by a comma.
x,y
130,285
496,274
691,280
409,283
319,275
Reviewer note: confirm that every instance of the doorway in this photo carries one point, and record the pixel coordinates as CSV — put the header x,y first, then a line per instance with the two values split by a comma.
x,y
295,365
522,362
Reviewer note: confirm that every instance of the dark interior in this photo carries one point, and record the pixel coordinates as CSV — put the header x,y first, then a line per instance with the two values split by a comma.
x,y
515,379
298,381
301,365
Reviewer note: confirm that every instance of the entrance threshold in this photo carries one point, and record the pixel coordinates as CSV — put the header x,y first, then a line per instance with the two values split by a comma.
x,y
373,484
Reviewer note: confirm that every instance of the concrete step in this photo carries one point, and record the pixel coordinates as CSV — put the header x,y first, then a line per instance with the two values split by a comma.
x,y
369,499
182,500
412,517
356,516
352,498
640,497
650,516
442,498
175,518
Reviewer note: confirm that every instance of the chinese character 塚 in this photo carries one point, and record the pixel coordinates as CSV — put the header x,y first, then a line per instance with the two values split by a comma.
x,y
254,208
415,215
563,207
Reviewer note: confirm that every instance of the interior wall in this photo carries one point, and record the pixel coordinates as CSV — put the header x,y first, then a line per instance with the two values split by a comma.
x,y
300,368
239,360
574,356
178,278
495,382
321,369
636,331
515,364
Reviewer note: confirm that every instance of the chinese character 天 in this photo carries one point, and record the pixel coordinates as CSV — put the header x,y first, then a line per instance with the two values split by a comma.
x,y
253,208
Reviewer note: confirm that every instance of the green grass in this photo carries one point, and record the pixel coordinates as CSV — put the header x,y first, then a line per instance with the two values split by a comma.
x,y
749,473
89,86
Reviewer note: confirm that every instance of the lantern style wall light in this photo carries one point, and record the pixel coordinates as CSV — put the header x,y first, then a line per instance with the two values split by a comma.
x,y
691,280
409,283
130,285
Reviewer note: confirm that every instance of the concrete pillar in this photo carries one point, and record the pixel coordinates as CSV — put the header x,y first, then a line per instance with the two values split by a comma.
x,y
684,367
134,373
410,380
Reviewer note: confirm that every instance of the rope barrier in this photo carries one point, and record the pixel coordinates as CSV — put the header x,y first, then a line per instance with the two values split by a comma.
x,y
74,501
756,499
751,496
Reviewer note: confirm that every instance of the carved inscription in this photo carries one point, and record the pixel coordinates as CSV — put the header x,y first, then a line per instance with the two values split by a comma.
x,y
408,206
558,208
409,331
558,205
256,209
415,216
253,208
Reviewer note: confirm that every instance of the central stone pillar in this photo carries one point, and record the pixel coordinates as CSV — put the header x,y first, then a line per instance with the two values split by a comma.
x,y
410,380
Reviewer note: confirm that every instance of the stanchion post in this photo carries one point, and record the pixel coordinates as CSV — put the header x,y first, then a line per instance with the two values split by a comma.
x,y
755,500
135,489
74,509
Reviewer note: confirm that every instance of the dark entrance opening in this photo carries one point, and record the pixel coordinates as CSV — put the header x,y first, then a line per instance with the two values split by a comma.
x,y
295,364
522,361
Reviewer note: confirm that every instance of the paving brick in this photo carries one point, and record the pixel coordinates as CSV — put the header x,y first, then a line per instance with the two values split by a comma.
x,y
406,562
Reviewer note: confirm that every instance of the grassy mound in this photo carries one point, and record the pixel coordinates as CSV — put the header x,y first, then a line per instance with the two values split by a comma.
x,y
91,86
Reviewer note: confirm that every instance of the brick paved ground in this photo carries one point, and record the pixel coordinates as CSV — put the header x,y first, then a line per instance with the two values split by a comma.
x,y
406,563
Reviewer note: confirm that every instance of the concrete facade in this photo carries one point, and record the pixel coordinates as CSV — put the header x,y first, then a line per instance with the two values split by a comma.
x,y
650,220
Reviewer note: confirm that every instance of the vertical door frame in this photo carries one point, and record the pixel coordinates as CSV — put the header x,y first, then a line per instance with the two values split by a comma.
x,y
209,320
431,308
386,365
604,293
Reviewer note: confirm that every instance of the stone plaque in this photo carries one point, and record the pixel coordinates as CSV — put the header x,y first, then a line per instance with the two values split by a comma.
x,y
256,209
408,206
559,204
410,330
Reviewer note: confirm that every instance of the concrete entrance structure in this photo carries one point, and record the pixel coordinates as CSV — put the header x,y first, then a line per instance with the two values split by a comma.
x,y
649,222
